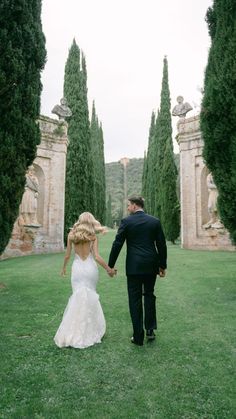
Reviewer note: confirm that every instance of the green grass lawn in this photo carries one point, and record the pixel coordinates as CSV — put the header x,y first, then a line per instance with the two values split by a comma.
x,y
188,372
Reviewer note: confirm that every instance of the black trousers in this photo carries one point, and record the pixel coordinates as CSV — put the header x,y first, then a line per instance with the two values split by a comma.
x,y
140,286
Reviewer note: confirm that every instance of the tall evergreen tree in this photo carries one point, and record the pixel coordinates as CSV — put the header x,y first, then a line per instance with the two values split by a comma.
x,y
79,167
22,57
87,135
157,164
144,175
218,115
166,200
102,192
99,167
170,204
149,167
95,151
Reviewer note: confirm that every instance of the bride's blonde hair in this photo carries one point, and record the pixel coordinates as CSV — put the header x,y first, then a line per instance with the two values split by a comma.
x,y
85,228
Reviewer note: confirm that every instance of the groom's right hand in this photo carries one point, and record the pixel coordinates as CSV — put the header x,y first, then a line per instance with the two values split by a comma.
x,y
162,272
111,272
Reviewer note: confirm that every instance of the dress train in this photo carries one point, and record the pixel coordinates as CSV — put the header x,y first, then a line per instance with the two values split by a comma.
x,y
83,323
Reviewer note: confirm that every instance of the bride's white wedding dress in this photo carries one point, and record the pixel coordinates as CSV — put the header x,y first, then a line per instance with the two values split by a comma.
x,y
83,323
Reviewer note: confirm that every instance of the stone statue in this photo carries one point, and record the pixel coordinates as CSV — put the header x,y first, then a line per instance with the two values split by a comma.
x,y
182,108
28,206
62,111
212,204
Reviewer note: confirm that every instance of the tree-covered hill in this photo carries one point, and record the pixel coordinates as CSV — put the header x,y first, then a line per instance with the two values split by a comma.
x,y
114,188
134,177
115,183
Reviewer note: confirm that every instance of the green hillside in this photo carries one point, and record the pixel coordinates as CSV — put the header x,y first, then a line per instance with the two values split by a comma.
x,y
134,176
115,183
114,187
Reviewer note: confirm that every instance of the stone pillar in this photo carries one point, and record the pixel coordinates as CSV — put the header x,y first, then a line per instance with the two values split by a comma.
x,y
194,192
49,168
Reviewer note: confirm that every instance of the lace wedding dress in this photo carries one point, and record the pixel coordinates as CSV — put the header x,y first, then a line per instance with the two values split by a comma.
x,y
83,323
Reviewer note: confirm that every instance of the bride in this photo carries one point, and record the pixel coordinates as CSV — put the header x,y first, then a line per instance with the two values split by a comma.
x,y
83,323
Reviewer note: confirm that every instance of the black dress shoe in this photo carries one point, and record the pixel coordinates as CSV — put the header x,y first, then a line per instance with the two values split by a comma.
x,y
150,335
135,342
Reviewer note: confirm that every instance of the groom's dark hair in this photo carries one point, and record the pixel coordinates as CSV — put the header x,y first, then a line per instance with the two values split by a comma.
x,y
138,200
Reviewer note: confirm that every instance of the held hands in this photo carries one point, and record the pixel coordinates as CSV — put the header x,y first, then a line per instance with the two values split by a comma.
x,y
162,272
111,271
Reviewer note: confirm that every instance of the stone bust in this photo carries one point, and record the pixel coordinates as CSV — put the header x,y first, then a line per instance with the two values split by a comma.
x,y
62,111
181,109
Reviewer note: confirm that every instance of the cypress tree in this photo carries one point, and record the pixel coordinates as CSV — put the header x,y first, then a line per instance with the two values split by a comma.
x,y
99,167
157,162
166,200
218,115
87,137
22,57
144,175
102,191
95,152
79,186
149,169
170,204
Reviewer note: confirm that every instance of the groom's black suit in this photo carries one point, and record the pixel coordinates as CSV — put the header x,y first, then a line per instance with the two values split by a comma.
x,y
146,253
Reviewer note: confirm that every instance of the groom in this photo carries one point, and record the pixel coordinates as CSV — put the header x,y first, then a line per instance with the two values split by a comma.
x,y
146,257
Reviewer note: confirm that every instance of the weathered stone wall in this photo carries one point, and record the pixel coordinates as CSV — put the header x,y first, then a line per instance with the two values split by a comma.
x,y
194,192
49,167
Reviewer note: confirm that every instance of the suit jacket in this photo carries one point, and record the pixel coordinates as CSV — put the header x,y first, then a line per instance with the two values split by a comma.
x,y
146,244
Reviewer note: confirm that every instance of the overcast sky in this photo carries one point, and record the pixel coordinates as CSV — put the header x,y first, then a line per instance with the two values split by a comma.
x,y
124,42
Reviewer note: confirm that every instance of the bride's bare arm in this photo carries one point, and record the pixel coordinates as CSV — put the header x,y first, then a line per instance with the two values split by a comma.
x,y
67,255
100,260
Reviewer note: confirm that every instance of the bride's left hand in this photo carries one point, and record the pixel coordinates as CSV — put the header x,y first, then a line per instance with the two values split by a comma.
x,y
111,272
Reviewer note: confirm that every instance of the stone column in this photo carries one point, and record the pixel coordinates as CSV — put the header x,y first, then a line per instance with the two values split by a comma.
x,y
194,192
51,157
49,168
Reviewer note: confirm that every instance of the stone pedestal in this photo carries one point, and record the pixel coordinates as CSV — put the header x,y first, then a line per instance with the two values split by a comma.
x,y
194,192
49,167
